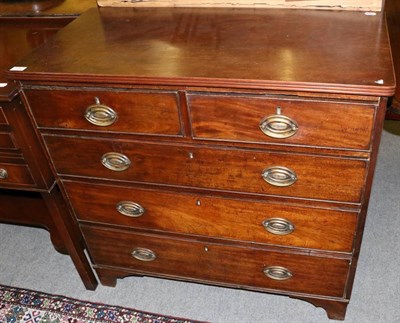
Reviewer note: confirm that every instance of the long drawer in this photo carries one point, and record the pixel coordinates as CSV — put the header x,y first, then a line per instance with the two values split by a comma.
x,y
228,218
262,119
248,171
141,112
216,262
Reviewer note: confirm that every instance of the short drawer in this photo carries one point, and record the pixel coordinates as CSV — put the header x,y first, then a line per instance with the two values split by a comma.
x,y
261,119
140,112
217,262
235,219
15,174
247,171
6,141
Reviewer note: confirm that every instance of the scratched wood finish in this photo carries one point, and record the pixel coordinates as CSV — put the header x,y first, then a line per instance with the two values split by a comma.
x,y
216,262
234,219
237,118
221,169
137,111
374,5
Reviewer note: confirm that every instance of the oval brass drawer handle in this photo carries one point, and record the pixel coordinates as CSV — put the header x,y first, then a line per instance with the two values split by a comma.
x,y
277,273
100,114
278,125
278,226
143,254
130,209
115,161
279,176
3,173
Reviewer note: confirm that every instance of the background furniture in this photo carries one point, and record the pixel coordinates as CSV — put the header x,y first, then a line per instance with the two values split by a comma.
x,y
28,192
21,197
252,169
45,8
392,9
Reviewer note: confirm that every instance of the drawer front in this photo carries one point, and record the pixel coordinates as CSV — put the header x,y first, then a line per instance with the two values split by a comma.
x,y
6,141
245,171
119,111
216,262
15,174
211,216
300,122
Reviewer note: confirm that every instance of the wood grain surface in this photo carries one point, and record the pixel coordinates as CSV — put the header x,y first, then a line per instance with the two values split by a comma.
x,y
237,170
216,262
202,214
374,5
238,117
151,112
299,50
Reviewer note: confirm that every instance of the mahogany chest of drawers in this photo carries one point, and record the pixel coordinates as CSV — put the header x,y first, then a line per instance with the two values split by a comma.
x,y
231,147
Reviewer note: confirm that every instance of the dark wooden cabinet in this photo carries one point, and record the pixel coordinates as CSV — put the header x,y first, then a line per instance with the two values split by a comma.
x,y
392,10
228,146
23,177
26,181
29,194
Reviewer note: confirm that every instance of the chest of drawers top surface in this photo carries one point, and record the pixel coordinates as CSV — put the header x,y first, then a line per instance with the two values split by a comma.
x,y
339,52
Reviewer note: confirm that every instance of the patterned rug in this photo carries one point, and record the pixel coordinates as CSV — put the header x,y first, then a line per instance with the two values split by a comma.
x,y
21,305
